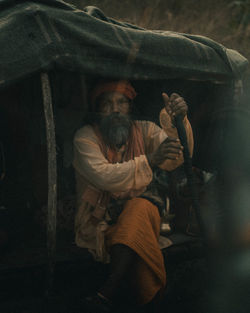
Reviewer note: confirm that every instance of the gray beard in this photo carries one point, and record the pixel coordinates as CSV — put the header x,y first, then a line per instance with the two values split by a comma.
x,y
115,129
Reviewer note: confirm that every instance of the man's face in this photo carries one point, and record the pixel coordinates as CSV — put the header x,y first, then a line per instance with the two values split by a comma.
x,y
115,123
114,101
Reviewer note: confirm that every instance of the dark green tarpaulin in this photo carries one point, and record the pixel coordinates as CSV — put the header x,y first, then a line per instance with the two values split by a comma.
x,y
42,35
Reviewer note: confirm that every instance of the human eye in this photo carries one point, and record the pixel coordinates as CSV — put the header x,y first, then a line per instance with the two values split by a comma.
x,y
105,107
123,101
106,104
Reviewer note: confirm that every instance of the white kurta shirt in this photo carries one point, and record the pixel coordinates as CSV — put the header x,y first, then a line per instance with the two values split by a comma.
x,y
122,180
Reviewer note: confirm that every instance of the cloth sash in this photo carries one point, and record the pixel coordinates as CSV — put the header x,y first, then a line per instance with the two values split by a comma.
x,y
135,148
135,145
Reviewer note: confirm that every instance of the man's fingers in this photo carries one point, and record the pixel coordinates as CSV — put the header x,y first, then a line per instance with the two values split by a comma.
x,y
180,112
177,100
174,96
165,98
165,151
173,150
179,106
182,108
171,140
172,157
172,145
166,102
177,103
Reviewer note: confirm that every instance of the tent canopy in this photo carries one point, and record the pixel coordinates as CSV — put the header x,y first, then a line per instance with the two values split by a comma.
x,y
47,34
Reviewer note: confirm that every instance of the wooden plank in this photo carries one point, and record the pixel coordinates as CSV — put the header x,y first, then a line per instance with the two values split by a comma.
x,y
52,175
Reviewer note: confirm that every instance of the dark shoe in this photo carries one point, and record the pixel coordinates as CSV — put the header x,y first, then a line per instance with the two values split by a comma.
x,y
97,304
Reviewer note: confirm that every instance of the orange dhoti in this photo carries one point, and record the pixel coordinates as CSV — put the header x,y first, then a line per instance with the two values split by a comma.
x,y
138,227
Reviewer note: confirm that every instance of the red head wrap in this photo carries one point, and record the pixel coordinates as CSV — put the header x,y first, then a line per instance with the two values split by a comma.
x,y
122,86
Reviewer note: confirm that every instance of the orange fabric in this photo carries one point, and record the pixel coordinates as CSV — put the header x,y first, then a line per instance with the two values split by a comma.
x,y
122,86
135,145
138,227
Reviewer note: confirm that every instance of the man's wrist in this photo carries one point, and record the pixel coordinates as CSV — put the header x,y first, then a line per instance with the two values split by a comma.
x,y
98,212
94,220
150,160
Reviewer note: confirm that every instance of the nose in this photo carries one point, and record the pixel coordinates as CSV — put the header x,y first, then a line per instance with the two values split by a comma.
x,y
115,107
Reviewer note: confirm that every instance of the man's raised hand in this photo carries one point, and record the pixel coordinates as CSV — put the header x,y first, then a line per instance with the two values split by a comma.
x,y
175,105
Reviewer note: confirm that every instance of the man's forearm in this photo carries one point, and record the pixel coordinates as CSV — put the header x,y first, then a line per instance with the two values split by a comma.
x,y
150,160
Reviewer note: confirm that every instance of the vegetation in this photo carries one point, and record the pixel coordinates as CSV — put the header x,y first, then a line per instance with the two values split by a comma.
x,y
227,22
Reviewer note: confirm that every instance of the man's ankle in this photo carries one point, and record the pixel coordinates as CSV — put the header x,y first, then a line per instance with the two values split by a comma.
x,y
103,297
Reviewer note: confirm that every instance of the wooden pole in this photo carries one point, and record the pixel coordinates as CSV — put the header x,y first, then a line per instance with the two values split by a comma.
x,y
52,177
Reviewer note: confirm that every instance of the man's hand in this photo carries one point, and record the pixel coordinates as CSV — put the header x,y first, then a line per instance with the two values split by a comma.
x,y
170,148
175,105
94,220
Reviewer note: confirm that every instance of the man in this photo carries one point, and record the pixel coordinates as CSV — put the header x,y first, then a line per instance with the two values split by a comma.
x,y
114,158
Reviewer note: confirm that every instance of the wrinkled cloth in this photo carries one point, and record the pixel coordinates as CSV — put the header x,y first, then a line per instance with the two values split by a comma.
x,y
59,35
138,227
122,86
124,180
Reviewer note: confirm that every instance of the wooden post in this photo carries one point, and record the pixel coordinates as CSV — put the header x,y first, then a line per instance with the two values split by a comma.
x,y
52,177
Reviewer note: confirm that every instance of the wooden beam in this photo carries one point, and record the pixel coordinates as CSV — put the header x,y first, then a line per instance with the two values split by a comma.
x,y
52,176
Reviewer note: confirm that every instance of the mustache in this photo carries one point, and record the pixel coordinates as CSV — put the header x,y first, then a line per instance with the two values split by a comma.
x,y
115,129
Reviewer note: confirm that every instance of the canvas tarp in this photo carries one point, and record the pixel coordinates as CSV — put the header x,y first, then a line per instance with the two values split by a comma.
x,y
46,34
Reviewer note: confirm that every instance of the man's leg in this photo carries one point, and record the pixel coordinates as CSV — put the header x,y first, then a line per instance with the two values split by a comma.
x,y
138,229
122,258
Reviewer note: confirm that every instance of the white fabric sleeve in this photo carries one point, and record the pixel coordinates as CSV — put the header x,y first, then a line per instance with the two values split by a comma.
x,y
95,168
153,135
